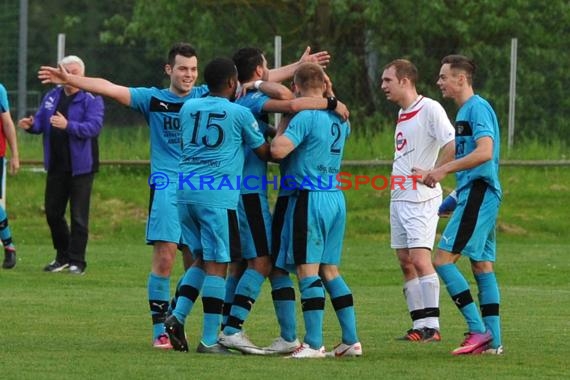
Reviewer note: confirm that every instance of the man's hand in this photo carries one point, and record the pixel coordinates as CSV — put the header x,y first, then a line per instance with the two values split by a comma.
x,y
14,164
58,121
26,122
53,75
242,89
419,174
429,177
329,86
434,176
342,110
321,58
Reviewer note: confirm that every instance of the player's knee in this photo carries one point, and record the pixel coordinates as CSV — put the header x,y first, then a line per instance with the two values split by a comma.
x,y
479,267
163,266
422,264
444,257
328,272
262,265
163,259
236,268
407,267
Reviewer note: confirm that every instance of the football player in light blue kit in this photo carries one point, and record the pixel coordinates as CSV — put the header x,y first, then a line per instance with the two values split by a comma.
x,y
160,108
215,132
471,229
242,287
314,142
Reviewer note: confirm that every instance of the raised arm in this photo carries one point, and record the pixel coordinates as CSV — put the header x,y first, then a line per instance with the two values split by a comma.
x,y
286,72
101,86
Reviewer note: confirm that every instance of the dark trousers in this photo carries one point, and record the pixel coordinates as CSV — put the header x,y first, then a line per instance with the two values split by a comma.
x,y
70,242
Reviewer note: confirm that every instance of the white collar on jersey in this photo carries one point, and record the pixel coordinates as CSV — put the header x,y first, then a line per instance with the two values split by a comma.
x,y
415,103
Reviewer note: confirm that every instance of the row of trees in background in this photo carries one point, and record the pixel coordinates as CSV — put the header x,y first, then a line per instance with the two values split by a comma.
x,y
127,42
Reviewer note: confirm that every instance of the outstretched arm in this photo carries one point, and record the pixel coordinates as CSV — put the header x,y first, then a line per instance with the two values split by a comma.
x,y
101,86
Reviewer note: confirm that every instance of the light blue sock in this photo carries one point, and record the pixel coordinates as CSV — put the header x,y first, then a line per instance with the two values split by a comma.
x,y
489,301
158,297
247,290
313,303
231,284
5,234
188,292
458,289
283,294
213,293
343,304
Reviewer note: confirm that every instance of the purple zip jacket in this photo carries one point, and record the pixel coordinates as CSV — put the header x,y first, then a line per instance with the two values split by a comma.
x,y
84,123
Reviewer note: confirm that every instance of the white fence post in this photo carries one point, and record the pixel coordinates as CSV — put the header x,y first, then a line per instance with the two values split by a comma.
x,y
60,46
512,93
278,53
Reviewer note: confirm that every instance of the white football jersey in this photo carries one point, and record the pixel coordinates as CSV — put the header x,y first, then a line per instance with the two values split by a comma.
x,y
421,131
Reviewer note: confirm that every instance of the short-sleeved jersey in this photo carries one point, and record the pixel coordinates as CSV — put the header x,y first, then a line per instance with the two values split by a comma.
x,y
476,119
319,137
161,108
254,169
421,131
4,104
214,132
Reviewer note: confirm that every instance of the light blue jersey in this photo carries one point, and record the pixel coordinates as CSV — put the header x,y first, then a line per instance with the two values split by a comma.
x,y
4,104
215,133
254,169
319,137
161,108
476,119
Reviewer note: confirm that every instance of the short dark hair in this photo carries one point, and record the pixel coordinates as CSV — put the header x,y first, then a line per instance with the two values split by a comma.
x,y
404,69
461,62
217,73
309,75
246,60
181,48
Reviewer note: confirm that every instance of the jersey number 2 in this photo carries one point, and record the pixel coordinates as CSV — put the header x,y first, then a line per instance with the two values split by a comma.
x,y
337,134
